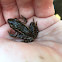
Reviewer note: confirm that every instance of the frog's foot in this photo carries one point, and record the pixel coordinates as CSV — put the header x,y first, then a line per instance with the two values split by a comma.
x,y
34,29
13,35
27,41
34,22
24,19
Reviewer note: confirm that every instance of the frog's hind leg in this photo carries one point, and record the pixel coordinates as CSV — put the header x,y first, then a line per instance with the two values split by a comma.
x,y
25,38
34,29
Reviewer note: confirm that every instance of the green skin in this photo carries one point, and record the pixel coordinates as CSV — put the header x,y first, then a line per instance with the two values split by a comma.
x,y
23,32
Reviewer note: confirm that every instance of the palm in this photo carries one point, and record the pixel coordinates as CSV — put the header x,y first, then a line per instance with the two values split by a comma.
x,y
41,23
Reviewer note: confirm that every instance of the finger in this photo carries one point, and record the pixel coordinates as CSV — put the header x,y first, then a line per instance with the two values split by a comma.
x,y
9,9
4,31
43,8
25,8
1,17
44,23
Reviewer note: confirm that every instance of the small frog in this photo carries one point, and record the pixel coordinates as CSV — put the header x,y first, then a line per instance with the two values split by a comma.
x,y
28,34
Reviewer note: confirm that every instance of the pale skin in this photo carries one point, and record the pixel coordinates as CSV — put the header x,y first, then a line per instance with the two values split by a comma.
x,y
48,45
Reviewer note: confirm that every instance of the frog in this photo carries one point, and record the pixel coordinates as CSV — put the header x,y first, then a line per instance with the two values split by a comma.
x,y
28,34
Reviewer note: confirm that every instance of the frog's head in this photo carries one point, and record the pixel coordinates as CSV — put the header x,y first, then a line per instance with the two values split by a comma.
x,y
12,23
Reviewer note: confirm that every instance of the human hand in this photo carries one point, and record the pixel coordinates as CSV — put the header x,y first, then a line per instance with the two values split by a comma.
x,y
45,47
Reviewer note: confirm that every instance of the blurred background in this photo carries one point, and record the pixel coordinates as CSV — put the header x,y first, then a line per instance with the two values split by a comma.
x,y
58,7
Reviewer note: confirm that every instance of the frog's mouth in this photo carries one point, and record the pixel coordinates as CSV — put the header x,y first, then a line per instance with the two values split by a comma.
x,y
10,22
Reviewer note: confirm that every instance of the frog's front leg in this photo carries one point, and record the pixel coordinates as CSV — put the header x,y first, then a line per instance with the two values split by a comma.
x,y
23,18
13,35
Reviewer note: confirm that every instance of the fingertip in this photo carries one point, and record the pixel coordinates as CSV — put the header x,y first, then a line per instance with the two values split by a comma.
x,y
9,9
44,8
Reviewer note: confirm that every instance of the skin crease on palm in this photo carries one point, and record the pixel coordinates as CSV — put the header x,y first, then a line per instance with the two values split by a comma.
x,y
48,45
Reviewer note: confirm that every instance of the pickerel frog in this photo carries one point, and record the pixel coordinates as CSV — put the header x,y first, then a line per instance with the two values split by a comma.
x,y
28,34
